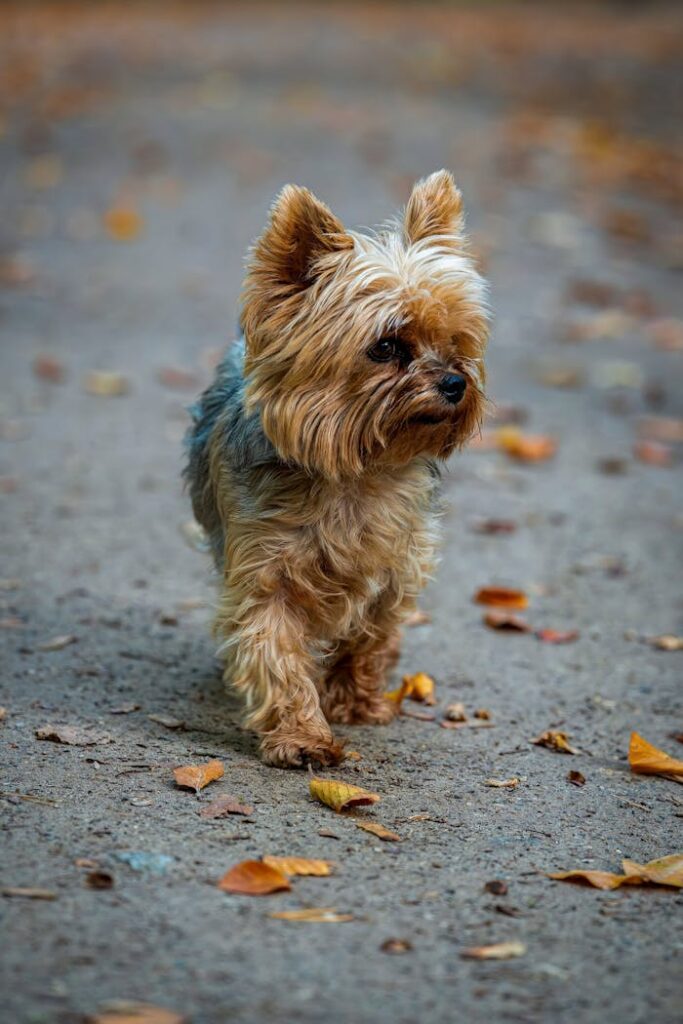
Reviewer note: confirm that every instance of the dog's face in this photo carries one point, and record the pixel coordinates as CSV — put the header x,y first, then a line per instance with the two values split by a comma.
x,y
365,350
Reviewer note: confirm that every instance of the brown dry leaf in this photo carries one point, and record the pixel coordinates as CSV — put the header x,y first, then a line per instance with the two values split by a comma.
x,y
645,759
396,946
663,871
553,739
299,866
557,636
417,618
502,597
666,429
506,622
503,783
196,776
493,527
340,796
525,447
223,806
105,383
653,453
73,735
48,368
385,834
497,887
576,778
666,642
456,712
320,915
598,879
483,714
3,714
57,643
123,223
352,755
29,893
125,1012
420,688
254,878
498,951
99,879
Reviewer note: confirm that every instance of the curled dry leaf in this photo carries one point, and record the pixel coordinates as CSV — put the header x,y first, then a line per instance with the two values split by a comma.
x,y
503,783
254,878
667,871
553,739
502,597
483,714
653,453
385,834
223,806
576,778
57,643
299,866
645,759
105,383
557,636
99,879
340,796
456,712
497,887
506,622
497,951
525,447
666,642
494,527
196,776
317,915
598,879
418,687
125,1012
396,946
73,735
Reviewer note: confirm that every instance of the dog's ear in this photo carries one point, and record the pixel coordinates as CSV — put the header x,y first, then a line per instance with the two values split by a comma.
x,y
300,231
434,208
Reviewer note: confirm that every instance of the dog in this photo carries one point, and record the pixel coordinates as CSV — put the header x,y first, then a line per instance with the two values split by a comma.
x,y
313,457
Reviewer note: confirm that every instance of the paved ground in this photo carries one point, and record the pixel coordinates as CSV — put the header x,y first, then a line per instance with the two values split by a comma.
x,y
172,128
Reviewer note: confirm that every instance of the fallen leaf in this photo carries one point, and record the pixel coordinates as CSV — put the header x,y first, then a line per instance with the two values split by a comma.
x,y
318,915
503,597
555,740
456,712
417,618
493,527
666,429
254,878
123,223
99,879
57,643
653,453
598,879
385,834
124,1012
396,946
167,721
496,887
340,796
503,783
73,735
222,806
645,759
477,724
29,893
663,871
48,368
483,714
498,951
352,755
420,688
576,778
105,383
557,636
299,866
506,622
525,447
666,642
196,776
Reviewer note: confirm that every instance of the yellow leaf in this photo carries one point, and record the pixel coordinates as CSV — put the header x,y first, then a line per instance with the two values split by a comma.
x,y
379,830
598,879
123,223
420,687
315,914
196,776
498,951
254,878
298,865
664,871
525,447
502,597
648,760
340,795
105,383
555,740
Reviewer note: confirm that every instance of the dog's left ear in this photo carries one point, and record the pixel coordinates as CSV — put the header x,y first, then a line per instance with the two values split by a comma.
x,y
434,208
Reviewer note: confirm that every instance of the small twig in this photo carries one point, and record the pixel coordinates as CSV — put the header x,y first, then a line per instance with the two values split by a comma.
x,y
31,798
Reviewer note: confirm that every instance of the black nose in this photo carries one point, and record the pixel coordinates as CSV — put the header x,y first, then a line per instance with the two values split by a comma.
x,y
452,387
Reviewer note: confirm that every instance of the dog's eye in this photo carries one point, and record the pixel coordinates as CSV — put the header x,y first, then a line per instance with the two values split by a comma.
x,y
383,350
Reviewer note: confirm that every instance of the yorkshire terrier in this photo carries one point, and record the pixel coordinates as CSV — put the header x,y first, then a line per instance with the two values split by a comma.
x,y
313,456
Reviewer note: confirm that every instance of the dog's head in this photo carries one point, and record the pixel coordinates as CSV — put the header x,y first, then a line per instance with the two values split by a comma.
x,y
365,349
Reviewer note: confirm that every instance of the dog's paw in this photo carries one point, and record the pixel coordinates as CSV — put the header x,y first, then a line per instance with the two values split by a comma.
x,y
283,750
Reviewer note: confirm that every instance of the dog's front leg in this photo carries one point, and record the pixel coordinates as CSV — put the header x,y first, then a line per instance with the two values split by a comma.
x,y
269,663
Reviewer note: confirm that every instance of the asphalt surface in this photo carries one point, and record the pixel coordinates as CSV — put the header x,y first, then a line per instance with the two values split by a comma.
x,y
140,149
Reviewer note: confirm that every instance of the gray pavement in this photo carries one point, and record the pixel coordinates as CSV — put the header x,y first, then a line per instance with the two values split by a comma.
x,y
172,126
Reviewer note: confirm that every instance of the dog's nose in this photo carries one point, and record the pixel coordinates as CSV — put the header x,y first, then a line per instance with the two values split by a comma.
x,y
452,387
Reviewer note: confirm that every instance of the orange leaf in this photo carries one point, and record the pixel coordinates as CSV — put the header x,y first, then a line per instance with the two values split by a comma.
x,y
254,878
498,951
299,865
123,223
645,759
525,447
340,795
503,597
318,915
654,453
196,776
125,1012
380,831
555,740
506,622
664,871
666,642
598,879
420,687
557,636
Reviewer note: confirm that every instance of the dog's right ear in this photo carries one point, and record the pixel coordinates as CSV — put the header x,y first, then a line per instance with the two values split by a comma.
x,y
301,230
